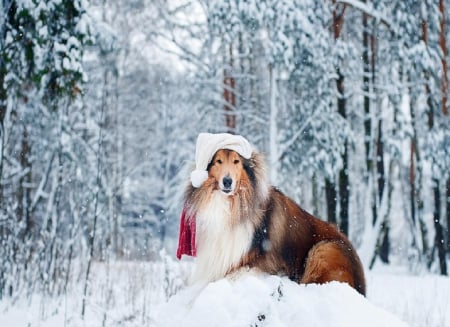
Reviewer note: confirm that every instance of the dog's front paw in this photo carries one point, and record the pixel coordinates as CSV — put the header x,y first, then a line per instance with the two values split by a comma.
x,y
236,273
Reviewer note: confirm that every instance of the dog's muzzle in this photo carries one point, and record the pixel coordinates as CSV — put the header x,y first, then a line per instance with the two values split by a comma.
x,y
227,184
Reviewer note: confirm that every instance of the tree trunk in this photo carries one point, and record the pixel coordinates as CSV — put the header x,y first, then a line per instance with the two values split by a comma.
x,y
344,191
23,192
344,194
416,196
27,183
382,245
331,199
229,93
367,114
330,187
315,195
3,108
412,180
92,234
116,196
416,185
381,182
439,242
439,234
3,97
338,21
366,90
448,213
444,89
430,111
273,125
443,46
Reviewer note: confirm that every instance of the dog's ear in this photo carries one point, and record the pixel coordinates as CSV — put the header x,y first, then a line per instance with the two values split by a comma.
x,y
255,167
209,166
211,163
249,167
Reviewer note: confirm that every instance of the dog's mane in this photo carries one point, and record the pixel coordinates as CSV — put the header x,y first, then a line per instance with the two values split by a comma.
x,y
249,200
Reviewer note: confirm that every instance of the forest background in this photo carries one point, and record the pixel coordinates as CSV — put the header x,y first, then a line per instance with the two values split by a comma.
x,y
101,103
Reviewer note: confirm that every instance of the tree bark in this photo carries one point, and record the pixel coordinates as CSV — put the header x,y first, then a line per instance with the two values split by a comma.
x,y
416,184
447,197
439,236
381,183
3,108
444,90
416,164
344,192
331,199
443,46
439,241
412,180
383,239
369,58
23,193
229,93
366,90
92,234
273,125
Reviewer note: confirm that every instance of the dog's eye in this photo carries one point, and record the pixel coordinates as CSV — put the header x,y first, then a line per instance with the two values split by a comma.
x,y
219,161
236,161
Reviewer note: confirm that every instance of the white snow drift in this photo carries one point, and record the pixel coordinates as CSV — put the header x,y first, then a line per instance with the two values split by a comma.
x,y
265,300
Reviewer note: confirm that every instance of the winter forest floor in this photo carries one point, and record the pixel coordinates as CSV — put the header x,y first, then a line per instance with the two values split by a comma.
x,y
134,294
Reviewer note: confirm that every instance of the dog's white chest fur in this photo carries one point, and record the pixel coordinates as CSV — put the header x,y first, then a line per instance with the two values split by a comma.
x,y
220,246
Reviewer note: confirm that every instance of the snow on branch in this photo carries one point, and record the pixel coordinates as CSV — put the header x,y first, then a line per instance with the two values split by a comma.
x,y
294,138
369,10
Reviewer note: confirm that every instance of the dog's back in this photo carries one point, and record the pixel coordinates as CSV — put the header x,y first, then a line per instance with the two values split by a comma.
x,y
291,241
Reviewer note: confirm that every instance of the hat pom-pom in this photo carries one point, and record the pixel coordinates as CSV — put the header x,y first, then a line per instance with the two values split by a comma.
x,y
198,177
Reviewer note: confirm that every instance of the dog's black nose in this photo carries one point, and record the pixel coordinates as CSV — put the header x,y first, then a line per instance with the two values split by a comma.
x,y
227,181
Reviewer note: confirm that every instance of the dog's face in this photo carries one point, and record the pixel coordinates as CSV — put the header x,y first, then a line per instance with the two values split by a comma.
x,y
227,169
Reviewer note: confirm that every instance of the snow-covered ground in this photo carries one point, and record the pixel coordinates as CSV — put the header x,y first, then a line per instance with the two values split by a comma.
x,y
263,300
155,294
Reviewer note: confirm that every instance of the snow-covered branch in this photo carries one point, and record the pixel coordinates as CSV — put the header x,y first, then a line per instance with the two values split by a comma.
x,y
367,8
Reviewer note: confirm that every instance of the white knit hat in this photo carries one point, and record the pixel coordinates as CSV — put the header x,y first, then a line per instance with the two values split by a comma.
x,y
208,144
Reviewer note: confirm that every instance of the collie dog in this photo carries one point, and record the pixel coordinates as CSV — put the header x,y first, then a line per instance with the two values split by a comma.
x,y
241,221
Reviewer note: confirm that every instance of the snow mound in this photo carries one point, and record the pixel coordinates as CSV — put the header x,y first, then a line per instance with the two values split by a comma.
x,y
266,300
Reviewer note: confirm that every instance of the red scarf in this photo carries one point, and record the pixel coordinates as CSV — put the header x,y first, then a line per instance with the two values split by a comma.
x,y
186,240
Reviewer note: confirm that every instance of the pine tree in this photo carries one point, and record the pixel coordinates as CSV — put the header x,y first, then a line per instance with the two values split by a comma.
x,y
41,71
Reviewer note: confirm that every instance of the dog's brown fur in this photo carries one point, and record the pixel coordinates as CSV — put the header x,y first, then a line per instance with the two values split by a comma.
x,y
286,239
